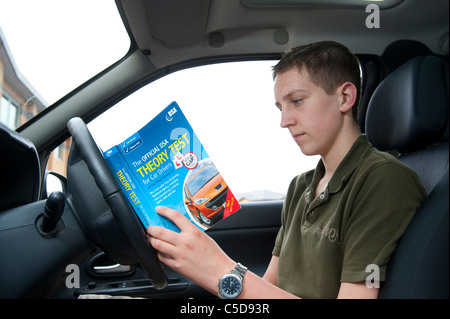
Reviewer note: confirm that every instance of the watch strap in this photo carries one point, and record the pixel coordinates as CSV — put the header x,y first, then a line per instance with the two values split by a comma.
x,y
239,270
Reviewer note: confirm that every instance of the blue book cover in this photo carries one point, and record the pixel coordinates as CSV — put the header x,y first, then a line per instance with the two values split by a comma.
x,y
165,164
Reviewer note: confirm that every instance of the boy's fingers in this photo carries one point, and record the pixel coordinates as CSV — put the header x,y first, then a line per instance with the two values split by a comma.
x,y
160,245
161,233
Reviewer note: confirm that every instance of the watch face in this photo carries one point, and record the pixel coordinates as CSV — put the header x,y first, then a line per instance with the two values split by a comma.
x,y
231,286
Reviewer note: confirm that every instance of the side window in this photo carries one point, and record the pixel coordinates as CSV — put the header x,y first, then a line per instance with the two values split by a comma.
x,y
232,109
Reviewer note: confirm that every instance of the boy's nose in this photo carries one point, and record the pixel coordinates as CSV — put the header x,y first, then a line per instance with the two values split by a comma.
x,y
286,119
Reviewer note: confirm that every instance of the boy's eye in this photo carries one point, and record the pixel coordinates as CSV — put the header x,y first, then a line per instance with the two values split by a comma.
x,y
297,101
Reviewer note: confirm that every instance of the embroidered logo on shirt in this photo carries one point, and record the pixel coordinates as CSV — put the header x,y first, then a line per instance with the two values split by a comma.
x,y
332,234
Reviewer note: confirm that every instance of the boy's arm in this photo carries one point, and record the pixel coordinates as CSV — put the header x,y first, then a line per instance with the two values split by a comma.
x,y
267,287
348,290
194,254
272,271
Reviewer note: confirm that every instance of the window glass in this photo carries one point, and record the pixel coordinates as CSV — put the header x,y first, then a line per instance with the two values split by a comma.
x,y
232,109
50,47
9,111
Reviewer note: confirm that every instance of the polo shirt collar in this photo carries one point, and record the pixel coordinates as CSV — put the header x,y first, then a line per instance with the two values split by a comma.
x,y
345,169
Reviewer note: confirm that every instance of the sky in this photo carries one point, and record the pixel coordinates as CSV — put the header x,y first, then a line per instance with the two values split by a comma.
x,y
230,106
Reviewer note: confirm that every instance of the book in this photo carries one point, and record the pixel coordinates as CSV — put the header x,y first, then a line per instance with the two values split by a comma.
x,y
165,164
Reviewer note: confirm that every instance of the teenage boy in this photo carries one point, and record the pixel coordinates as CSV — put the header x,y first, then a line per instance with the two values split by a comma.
x,y
337,220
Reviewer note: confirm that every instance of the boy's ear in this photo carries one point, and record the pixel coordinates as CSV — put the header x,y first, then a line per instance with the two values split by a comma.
x,y
348,94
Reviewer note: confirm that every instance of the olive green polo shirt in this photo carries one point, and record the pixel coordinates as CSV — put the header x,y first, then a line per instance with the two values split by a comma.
x,y
354,223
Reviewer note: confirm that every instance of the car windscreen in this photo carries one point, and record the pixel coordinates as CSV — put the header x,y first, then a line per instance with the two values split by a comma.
x,y
49,48
202,177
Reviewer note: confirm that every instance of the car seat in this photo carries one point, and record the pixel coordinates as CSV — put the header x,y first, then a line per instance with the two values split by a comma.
x,y
21,171
401,51
375,69
408,113
372,74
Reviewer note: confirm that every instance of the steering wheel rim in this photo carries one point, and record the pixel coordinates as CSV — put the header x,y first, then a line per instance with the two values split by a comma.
x,y
115,199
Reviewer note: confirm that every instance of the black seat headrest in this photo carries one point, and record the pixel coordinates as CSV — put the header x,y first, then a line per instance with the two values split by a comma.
x,y
20,170
409,109
402,51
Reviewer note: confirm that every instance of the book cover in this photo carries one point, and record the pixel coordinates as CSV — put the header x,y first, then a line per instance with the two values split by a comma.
x,y
165,164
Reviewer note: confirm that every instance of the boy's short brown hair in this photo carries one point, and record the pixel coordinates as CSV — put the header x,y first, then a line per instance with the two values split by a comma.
x,y
328,63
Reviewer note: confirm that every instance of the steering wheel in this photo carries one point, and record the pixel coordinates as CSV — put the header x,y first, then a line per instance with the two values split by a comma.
x,y
84,145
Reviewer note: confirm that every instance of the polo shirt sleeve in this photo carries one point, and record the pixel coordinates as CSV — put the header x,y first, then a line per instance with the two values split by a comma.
x,y
384,202
296,187
280,236
279,239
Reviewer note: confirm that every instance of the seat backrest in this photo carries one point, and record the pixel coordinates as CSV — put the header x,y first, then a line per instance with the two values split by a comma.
x,y
408,113
20,170
419,267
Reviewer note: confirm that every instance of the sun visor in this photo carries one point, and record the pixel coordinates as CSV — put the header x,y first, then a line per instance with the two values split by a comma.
x,y
177,23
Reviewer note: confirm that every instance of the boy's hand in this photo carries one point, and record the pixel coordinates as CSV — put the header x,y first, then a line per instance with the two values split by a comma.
x,y
191,252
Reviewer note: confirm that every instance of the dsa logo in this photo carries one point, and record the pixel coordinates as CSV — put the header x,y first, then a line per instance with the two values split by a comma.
x,y
170,113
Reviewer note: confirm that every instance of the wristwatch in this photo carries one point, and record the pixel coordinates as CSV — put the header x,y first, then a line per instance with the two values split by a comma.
x,y
230,285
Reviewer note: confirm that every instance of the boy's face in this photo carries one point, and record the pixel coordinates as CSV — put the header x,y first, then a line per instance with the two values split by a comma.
x,y
311,115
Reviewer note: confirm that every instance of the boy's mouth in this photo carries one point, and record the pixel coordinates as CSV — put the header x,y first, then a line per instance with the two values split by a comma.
x,y
298,135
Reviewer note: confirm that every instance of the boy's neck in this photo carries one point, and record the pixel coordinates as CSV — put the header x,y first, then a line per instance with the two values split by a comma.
x,y
336,154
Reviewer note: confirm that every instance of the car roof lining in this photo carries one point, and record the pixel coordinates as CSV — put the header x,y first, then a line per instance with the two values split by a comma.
x,y
239,24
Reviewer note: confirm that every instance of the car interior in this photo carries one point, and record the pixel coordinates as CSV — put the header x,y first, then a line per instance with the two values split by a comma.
x,y
404,110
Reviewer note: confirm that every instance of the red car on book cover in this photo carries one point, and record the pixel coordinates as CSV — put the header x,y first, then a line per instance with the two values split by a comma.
x,y
116,64
206,193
